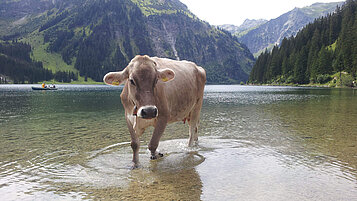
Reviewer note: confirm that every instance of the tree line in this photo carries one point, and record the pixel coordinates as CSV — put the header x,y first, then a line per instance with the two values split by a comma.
x,y
17,66
322,48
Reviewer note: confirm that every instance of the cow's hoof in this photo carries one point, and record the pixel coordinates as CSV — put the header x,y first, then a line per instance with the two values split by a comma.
x,y
134,166
156,156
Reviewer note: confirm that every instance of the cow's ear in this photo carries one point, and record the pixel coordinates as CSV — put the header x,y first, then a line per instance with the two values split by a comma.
x,y
115,78
166,74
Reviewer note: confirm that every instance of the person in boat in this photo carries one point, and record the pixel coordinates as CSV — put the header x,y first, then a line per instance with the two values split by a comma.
x,y
43,85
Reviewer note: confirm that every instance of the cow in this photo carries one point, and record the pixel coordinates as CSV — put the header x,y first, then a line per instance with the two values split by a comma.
x,y
159,91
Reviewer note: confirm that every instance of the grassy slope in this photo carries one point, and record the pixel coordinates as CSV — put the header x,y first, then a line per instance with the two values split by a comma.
x,y
52,61
315,10
150,7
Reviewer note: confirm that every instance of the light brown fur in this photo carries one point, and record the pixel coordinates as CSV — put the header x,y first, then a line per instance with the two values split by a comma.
x,y
174,87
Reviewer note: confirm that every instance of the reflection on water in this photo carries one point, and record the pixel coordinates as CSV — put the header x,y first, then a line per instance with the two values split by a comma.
x,y
256,143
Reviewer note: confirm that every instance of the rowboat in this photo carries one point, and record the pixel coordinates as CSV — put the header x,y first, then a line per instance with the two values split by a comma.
x,y
46,88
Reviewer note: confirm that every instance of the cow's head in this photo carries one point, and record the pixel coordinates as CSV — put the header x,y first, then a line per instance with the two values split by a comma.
x,y
142,76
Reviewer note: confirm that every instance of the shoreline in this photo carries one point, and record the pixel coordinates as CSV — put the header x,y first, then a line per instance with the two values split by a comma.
x,y
271,85
305,85
58,83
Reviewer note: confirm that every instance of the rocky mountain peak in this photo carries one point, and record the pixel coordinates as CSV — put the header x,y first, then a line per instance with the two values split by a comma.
x,y
266,35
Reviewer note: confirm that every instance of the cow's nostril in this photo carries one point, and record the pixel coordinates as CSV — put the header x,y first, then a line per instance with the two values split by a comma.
x,y
155,112
143,113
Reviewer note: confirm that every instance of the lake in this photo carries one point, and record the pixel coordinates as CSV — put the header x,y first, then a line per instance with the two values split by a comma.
x,y
255,143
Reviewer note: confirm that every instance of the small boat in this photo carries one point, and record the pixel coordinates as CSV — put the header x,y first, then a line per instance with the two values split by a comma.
x,y
46,88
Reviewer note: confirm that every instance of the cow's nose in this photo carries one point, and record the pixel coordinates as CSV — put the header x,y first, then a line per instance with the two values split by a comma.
x,y
147,112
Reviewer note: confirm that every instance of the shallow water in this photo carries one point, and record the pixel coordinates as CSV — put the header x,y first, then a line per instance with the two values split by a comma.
x,y
256,143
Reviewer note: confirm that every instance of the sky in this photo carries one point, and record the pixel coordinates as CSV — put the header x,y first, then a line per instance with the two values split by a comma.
x,y
218,12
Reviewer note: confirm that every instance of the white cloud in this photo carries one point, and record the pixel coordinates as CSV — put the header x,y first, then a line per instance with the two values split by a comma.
x,y
236,11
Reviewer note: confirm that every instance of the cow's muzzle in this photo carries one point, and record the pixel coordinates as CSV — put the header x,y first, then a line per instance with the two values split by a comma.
x,y
148,112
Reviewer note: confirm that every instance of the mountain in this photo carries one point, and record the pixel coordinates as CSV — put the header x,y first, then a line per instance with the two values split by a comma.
x,y
326,47
18,17
93,37
241,30
274,31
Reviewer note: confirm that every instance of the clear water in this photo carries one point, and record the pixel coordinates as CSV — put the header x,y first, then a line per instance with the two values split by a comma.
x,y
256,143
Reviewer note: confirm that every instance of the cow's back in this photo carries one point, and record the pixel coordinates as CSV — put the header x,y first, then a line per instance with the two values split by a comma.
x,y
185,90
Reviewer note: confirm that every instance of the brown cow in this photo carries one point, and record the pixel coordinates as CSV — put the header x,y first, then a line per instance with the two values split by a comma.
x,y
158,91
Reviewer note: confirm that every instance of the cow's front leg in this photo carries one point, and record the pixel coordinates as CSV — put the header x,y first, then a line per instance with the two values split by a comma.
x,y
135,145
135,141
154,142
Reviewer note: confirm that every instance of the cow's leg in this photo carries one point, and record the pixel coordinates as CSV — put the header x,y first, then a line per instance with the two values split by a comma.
x,y
154,142
193,123
135,142
193,133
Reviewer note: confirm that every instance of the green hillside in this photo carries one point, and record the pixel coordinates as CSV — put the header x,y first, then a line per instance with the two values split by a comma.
x,y
154,7
16,66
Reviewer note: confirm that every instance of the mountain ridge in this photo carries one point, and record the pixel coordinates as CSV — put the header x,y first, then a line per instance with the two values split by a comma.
x,y
242,29
98,36
286,25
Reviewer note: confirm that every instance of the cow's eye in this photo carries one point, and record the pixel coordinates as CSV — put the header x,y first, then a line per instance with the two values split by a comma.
x,y
132,82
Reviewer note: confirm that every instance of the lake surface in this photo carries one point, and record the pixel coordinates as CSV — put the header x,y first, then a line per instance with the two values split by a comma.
x,y
255,143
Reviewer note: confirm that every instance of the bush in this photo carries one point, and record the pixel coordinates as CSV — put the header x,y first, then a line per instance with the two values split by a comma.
x,y
347,80
332,85
290,79
323,78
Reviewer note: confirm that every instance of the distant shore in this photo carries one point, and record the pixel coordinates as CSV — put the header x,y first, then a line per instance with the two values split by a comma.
x,y
304,85
326,85
56,83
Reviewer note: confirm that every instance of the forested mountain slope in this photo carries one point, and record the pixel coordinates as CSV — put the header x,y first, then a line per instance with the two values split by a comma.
x,y
322,48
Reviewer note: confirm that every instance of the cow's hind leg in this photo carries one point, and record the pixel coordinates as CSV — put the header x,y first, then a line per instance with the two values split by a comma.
x,y
193,133
194,120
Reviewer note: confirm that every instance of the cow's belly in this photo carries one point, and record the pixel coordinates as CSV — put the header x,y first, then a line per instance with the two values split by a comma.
x,y
181,111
